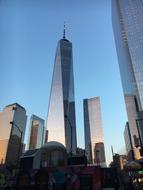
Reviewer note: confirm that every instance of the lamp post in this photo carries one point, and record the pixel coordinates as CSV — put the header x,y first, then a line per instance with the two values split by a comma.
x,y
141,144
21,133
66,117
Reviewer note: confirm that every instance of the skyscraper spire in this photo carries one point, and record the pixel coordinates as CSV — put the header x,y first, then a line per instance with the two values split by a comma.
x,y
64,32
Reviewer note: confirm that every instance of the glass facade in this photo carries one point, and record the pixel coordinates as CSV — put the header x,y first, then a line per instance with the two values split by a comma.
x,y
12,134
140,125
37,132
127,17
94,143
61,122
128,142
132,116
128,31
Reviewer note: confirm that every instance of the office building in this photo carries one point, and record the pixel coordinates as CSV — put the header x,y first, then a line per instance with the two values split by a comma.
x,y
37,132
128,31
61,122
127,17
119,162
94,143
132,116
12,129
139,123
128,142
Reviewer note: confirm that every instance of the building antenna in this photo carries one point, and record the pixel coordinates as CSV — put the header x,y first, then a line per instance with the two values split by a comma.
x,y
64,32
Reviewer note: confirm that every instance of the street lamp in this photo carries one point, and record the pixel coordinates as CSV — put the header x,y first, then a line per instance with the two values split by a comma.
x,y
21,133
141,144
66,117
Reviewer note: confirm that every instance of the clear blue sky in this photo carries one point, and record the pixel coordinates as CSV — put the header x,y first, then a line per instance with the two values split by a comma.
x,y
29,32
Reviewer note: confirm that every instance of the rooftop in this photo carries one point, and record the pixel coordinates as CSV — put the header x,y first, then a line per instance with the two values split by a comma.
x,y
16,104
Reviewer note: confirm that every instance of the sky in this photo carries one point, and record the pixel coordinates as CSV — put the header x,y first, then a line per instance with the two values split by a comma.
x,y
29,32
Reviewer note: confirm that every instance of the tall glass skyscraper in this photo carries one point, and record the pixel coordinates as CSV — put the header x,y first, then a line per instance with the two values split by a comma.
x,y
61,122
94,143
37,132
128,30
127,17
